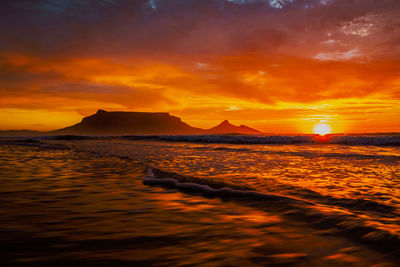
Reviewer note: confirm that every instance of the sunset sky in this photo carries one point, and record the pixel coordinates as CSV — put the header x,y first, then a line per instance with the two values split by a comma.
x,y
280,66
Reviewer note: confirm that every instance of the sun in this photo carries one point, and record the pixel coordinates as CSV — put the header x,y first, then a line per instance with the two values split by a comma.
x,y
322,128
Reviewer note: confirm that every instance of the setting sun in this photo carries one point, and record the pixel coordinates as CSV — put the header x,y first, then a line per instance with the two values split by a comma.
x,y
322,129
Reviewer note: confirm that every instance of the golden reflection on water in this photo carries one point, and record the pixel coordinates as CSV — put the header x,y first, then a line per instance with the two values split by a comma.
x,y
256,217
61,205
324,174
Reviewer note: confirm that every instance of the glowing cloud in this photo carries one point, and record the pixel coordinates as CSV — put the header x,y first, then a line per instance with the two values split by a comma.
x,y
339,55
273,65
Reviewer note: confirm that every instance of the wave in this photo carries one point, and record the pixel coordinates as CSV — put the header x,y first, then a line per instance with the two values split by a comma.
x,y
344,224
373,140
151,179
389,140
35,143
239,139
378,140
70,137
303,195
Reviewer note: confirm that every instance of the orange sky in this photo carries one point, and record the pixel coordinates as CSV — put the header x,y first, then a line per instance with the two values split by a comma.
x,y
278,66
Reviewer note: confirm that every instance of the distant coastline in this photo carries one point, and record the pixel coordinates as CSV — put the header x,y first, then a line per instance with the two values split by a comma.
x,y
117,123
121,123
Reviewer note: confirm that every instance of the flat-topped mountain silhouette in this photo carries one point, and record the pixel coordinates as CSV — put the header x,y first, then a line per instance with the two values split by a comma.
x,y
136,123
227,127
121,123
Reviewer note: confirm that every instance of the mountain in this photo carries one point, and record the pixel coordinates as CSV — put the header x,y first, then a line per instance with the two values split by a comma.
x,y
226,127
134,123
125,123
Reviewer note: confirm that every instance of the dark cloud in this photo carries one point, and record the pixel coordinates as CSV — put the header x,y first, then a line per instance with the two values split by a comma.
x,y
162,54
117,28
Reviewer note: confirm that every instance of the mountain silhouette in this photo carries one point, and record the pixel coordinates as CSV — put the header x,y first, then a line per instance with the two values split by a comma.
x,y
226,127
122,123
109,123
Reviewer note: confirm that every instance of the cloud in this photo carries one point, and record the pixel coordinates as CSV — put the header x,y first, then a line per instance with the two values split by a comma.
x,y
337,56
119,28
211,55
361,26
273,3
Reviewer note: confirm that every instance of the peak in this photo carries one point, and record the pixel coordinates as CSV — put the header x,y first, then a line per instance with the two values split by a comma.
x,y
225,122
101,111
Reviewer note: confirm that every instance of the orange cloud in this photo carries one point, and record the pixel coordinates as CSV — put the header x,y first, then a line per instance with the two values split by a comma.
x,y
277,69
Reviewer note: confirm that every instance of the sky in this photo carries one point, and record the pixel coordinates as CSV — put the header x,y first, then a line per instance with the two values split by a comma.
x,y
280,66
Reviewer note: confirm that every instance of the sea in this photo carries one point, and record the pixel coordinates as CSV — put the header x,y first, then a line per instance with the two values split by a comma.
x,y
200,200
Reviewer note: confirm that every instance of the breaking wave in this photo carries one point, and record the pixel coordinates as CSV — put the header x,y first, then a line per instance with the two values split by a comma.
x,y
372,140
381,140
226,189
307,210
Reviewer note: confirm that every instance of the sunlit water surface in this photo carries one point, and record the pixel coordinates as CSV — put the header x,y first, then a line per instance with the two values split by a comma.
x,y
85,201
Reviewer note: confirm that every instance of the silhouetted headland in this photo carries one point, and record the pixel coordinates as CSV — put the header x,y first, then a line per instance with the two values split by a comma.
x,y
120,123
227,127
134,123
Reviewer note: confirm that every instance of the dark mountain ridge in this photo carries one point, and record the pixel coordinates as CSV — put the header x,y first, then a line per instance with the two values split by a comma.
x,y
227,127
105,123
120,123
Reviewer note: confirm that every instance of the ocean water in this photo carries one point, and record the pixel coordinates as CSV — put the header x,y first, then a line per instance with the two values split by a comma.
x,y
201,200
